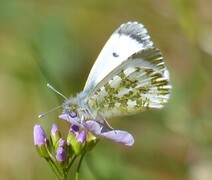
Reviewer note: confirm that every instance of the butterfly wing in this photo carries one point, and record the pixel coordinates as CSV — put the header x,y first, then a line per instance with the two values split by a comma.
x,y
128,39
138,83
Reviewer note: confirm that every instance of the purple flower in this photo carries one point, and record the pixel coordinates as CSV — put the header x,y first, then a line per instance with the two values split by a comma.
x,y
122,137
61,155
39,135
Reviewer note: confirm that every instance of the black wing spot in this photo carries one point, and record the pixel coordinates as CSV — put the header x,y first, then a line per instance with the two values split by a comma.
x,y
115,54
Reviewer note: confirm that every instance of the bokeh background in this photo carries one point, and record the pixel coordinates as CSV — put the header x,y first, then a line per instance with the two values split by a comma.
x,y
57,42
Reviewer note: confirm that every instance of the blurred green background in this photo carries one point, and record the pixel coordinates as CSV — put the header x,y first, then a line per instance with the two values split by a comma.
x,y
57,42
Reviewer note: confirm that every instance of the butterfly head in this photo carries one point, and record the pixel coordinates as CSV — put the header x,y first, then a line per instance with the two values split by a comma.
x,y
76,107
70,108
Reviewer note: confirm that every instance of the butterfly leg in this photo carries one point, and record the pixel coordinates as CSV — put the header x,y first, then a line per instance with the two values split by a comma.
x,y
105,124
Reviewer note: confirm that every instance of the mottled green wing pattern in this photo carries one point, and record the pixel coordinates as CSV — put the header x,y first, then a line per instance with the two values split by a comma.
x,y
141,82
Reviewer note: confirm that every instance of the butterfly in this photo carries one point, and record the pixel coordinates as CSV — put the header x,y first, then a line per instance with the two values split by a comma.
x,y
129,76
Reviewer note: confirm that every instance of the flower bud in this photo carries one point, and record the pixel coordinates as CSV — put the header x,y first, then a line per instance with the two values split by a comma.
x,y
81,137
61,143
79,143
75,128
73,132
55,135
40,141
61,156
91,141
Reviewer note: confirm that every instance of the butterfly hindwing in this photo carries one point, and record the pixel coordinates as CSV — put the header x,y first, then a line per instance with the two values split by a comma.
x,y
139,83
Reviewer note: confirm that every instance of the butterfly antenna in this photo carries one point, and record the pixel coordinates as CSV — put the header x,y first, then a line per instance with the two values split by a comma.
x,y
42,115
52,88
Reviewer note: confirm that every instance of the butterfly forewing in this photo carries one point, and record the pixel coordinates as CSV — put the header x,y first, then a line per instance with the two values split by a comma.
x,y
128,39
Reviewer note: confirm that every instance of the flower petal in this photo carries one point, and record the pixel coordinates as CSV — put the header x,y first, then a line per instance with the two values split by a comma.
x,y
118,136
93,127
122,137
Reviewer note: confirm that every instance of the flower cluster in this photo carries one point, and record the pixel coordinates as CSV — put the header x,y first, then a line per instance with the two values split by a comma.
x,y
60,153
82,137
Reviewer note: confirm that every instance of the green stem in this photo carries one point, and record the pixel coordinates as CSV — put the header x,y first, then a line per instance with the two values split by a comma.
x,y
65,173
51,161
61,173
79,165
54,168
72,161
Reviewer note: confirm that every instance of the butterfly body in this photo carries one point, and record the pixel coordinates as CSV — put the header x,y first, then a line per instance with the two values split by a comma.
x,y
129,76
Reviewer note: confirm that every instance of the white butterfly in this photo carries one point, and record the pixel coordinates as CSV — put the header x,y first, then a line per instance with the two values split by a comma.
x,y
128,76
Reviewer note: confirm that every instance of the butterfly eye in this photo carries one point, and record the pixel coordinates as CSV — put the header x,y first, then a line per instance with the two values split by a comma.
x,y
73,114
115,54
